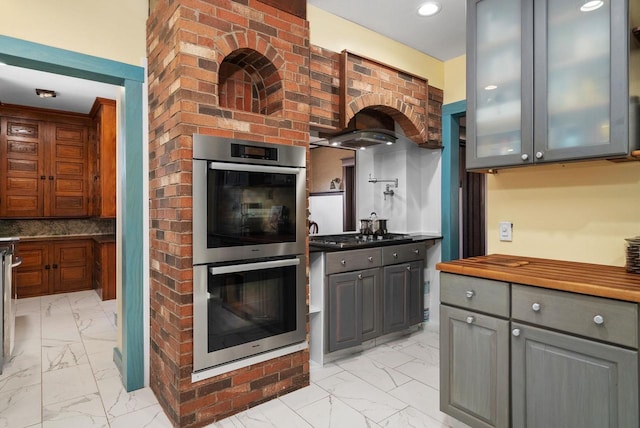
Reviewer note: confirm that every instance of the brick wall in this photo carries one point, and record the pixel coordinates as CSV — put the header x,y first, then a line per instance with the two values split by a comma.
x,y
187,43
336,97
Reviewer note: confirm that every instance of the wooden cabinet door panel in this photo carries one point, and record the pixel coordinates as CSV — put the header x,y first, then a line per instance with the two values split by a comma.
x,y
21,168
32,277
70,195
104,158
72,265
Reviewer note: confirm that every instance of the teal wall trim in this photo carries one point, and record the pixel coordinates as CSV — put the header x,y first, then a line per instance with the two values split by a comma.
x,y
35,56
451,114
22,53
132,239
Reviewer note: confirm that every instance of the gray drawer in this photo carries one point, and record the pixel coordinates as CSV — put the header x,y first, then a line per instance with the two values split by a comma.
x,y
347,261
575,313
478,294
394,254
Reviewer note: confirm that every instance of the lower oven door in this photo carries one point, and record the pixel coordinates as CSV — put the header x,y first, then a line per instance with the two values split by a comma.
x,y
246,309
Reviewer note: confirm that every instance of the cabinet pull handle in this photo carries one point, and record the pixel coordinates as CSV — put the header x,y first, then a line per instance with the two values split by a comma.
x,y
516,332
535,307
359,276
416,251
370,259
395,255
470,319
598,319
343,262
470,294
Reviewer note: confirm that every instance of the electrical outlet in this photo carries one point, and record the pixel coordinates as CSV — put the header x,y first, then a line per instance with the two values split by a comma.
x,y
506,230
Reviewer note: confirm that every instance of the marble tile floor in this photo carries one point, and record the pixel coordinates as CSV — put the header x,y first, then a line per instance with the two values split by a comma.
x,y
62,375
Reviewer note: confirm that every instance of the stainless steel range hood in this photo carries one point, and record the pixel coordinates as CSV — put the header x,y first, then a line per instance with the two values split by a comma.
x,y
361,139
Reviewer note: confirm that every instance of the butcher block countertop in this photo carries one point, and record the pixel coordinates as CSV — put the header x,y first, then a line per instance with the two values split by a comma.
x,y
585,278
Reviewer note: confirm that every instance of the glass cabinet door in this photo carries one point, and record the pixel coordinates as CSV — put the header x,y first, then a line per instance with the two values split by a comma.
x,y
577,53
499,82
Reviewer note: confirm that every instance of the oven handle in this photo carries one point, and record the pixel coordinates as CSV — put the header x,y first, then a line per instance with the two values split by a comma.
x,y
253,168
219,270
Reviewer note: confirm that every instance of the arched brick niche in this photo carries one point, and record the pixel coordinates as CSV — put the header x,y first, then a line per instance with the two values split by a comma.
x,y
250,82
400,112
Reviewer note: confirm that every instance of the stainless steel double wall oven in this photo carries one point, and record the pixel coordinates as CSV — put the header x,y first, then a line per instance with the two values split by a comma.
x,y
249,215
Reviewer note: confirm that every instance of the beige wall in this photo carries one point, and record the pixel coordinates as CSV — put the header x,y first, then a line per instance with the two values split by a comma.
x,y
326,164
455,75
578,211
336,34
114,29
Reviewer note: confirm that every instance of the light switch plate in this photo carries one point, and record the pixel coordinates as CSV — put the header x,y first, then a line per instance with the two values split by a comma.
x,y
506,230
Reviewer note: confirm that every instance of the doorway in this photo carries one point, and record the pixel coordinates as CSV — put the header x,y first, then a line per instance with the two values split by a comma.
x,y
20,53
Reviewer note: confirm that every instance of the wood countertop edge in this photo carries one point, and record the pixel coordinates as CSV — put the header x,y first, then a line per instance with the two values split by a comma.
x,y
504,274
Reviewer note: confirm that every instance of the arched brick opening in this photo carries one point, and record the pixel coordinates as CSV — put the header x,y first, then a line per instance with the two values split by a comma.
x,y
412,123
248,81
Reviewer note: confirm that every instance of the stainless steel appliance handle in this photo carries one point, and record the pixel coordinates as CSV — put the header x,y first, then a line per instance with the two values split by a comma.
x,y
253,266
253,168
17,263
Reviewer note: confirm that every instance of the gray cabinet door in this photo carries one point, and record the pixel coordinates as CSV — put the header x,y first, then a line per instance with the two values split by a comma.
x,y
396,297
565,381
344,306
354,308
474,367
371,303
416,295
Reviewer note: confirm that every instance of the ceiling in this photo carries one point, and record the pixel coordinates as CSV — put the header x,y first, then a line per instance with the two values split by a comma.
x,y
441,36
18,86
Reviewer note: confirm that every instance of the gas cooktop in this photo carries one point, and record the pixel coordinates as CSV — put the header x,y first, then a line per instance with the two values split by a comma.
x,y
357,240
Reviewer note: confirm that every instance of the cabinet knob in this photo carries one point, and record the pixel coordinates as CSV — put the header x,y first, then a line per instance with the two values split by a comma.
x,y
43,177
536,307
524,156
343,262
409,268
416,251
470,294
370,259
51,177
598,319
516,332
395,255
55,266
470,319
47,266
359,276
539,155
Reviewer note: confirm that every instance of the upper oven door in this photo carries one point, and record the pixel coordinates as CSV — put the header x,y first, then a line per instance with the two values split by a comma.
x,y
247,211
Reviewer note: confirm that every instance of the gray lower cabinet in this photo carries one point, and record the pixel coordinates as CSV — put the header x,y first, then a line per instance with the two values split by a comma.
x,y
354,308
560,380
474,367
403,296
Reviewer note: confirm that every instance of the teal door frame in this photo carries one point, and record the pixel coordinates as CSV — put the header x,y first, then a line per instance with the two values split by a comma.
x,y
21,53
451,114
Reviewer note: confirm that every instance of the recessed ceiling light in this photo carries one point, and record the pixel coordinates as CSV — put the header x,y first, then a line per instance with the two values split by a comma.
x,y
591,5
46,93
429,8
490,87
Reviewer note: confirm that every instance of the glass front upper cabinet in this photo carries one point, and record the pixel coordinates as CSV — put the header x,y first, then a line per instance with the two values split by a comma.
x,y
550,81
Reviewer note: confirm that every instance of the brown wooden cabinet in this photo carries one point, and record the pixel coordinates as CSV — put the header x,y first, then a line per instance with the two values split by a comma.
x,y
103,154
45,171
104,267
54,266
